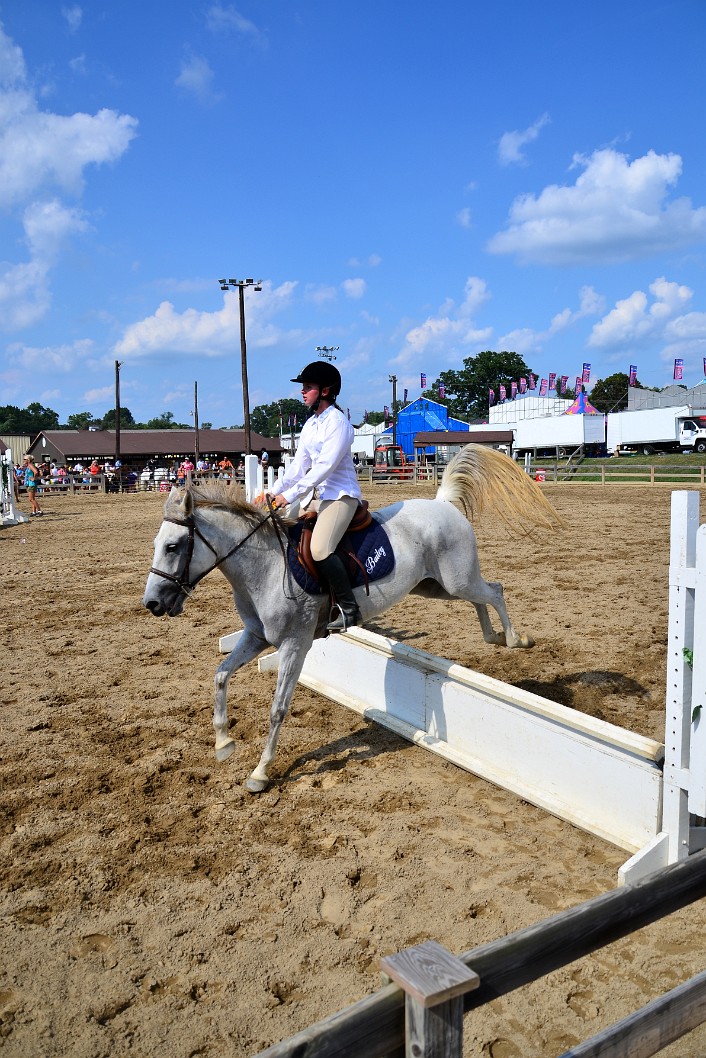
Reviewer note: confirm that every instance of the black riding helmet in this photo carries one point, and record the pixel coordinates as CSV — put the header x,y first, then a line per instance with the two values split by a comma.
x,y
321,374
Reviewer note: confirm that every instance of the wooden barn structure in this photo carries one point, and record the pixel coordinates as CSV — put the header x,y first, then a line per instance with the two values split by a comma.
x,y
140,447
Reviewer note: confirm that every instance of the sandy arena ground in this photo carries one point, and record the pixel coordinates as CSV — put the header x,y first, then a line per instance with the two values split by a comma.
x,y
150,906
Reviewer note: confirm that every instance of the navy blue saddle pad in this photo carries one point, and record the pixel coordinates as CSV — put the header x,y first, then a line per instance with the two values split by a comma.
x,y
371,546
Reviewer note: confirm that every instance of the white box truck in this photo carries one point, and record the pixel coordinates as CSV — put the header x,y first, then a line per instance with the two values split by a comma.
x,y
658,430
557,435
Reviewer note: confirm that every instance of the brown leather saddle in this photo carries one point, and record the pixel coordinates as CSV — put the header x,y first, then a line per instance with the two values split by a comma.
x,y
360,521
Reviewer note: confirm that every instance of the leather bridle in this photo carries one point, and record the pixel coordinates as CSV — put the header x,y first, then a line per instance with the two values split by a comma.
x,y
181,577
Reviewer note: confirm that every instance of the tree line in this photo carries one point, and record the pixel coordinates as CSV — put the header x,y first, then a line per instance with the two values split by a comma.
x,y
465,396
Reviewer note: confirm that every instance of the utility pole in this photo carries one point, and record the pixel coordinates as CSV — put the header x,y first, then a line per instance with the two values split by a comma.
x,y
117,458
393,380
196,423
241,284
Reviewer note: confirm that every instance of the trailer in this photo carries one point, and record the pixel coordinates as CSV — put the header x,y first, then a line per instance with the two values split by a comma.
x,y
557,435
678,429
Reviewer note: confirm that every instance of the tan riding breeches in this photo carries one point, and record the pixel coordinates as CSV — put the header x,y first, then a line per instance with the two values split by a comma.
x,y
332,522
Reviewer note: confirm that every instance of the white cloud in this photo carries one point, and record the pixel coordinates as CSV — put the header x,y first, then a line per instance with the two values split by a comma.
x,y
60,357
39,149
449,327
525,340
73,16
25,295
12,63
372,261
221,19
196,76
101,393
511,144
464,218
39,152
320,295
616,211
634,322
207,333
353,288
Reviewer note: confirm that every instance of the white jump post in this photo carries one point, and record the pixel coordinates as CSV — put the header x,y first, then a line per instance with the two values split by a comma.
x,y
8,511
684,770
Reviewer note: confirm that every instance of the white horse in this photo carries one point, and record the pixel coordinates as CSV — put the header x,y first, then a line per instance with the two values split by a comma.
x,y
212,526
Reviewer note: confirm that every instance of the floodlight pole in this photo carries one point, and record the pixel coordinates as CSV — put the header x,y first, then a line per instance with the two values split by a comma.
x,y
241,284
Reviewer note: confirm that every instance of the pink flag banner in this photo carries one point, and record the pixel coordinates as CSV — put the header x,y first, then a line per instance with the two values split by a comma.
x,y
513,390
678,370
386,412
532,381
523,385
586,376
632,377
564,380
705,367
543,388
423,380
552,379
404,399
491,396
442,391
503,392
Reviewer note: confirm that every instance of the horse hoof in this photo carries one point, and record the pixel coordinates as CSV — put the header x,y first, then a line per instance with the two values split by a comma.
x,y
256,785
223,752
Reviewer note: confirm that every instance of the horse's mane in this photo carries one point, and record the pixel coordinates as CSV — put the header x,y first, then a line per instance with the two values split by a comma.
x,y
223,495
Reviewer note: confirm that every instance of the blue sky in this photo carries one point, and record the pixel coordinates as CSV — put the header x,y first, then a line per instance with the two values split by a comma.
x,y
413,183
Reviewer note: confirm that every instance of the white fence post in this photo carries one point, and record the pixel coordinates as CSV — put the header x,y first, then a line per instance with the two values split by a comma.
x,y
697,754
9,515
252,467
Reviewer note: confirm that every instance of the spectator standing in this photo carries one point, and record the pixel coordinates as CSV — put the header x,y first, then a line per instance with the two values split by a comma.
x,y
31,473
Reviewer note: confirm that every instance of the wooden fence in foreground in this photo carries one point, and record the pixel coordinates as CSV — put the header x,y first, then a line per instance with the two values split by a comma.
x,y
424,1016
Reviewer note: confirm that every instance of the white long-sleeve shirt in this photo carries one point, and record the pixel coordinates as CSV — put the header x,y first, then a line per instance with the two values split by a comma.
x,y
323,459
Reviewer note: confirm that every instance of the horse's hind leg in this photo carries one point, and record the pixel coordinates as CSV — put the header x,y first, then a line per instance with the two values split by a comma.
x,y
493,592
291,661
247,648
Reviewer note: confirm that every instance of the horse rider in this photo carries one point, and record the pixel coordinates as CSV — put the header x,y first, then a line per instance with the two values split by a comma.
x,y
324,461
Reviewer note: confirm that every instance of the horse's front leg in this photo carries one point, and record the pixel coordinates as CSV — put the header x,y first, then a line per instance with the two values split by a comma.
x,y
291,661
248,647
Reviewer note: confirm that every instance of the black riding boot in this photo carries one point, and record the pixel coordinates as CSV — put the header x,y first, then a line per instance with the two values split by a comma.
x,y
348,613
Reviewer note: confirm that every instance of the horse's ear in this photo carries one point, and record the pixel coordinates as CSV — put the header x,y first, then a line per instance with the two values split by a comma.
x,y
181,505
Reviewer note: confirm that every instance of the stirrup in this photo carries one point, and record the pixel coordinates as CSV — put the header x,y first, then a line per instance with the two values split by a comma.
x,y
343,621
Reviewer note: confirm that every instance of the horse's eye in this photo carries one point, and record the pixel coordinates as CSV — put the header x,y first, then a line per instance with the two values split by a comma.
x,y
171,547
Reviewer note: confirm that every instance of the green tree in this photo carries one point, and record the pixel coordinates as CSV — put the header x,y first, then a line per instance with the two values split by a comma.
x,y
375,418
81,420
165,421
30,420
265,418
206,425
467,390
611,393
127,422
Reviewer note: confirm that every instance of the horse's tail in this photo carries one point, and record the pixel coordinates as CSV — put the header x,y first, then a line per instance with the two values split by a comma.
x,y
479,477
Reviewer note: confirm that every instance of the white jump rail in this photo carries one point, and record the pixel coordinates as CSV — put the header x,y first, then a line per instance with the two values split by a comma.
x,y
629,790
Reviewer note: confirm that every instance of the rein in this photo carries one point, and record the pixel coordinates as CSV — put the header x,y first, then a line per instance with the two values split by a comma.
x,y
181,577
